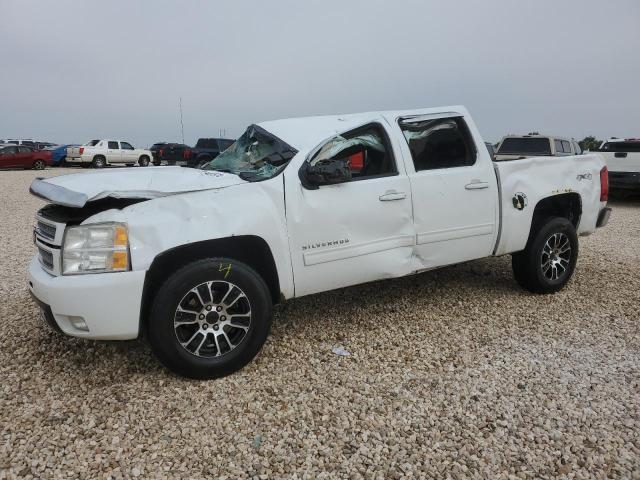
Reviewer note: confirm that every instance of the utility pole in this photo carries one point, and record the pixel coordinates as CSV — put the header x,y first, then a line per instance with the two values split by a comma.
x,y
181,123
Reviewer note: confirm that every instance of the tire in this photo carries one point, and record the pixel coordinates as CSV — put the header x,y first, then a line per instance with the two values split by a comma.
x,y
99,162
39,165
143,161
184,349
157,163
545,265
130,164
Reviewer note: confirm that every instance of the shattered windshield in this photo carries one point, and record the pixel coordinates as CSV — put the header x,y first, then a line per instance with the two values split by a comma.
x,y
256,155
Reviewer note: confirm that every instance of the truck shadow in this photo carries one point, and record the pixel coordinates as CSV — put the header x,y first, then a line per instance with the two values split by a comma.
x,y
105,363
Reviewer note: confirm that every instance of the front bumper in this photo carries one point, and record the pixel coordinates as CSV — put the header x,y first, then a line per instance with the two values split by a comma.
x,y
107,303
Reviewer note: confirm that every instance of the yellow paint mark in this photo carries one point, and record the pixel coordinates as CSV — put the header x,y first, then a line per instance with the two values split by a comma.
x,y
225,268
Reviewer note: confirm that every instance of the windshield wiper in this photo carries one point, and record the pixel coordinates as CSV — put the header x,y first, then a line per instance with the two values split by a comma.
x,y
250,176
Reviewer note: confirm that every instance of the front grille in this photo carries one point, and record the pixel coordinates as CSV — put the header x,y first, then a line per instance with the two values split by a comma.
x,y
46,230
46,258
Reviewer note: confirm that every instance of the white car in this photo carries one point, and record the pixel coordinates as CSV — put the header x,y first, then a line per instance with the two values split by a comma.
x,y
513,147
100,153
623,159
197,258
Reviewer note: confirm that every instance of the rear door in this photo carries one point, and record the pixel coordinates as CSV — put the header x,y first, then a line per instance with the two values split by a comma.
x,y
24,157
453,187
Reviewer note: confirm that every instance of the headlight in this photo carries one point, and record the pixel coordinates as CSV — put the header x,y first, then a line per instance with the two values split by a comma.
x,y
103,247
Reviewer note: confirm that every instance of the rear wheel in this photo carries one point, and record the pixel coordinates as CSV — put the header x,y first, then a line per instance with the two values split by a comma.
x,y
157,163
549,259
99,162
210,318
39,165
143,161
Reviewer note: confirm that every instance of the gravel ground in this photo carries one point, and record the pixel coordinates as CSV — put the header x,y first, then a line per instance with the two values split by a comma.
x,y
453,373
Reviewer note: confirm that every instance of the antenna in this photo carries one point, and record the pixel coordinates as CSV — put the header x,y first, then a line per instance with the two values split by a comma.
x,y
181,124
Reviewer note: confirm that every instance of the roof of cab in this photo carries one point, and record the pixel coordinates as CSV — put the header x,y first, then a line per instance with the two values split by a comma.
x,y
307,132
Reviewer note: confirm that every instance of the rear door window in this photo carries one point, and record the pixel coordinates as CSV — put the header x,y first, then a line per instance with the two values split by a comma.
x,y
439,143
525,146
113,146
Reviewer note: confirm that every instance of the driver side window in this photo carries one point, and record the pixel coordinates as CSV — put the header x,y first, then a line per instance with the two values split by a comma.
x,y
366,150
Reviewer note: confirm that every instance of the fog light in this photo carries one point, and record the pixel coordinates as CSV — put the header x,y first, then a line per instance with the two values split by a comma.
x,y
78,323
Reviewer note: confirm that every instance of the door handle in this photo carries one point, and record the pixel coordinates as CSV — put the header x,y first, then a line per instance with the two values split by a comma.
x,y
392,195
620,155
476,185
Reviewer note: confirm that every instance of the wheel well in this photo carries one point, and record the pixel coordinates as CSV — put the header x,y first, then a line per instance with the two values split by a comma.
x,y
143,156
99,156
248,249
566,205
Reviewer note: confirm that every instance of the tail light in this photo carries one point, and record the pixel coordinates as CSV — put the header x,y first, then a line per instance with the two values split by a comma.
x,y
187,154
81,150
604,184
161,152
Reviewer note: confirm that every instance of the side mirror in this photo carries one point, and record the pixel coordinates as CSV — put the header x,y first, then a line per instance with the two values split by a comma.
x,y
325,172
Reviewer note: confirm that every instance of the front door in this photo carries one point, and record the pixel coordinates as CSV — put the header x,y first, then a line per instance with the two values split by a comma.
x,y
454,190
352,232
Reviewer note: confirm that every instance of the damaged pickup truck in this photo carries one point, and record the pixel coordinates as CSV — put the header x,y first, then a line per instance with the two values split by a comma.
x,y
195,259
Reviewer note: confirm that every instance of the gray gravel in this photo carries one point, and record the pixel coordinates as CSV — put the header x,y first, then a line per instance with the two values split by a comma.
x,y
453,373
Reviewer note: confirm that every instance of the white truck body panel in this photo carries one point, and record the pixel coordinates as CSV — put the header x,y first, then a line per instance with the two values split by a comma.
x,y
337,235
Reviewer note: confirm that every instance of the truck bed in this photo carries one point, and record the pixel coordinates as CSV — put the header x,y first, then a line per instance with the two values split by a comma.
x,y
523,183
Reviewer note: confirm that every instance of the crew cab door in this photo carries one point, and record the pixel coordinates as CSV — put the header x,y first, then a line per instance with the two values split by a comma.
x,y
353,232
453,187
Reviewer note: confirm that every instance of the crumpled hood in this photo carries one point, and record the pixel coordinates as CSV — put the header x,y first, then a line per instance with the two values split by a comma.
x,y
77,189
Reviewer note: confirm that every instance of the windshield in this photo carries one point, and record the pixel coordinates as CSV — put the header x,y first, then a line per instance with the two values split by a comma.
x,y
526,145
256,155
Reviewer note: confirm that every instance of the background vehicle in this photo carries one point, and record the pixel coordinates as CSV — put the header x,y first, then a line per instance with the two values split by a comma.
x,y
100,153
25,142
514,147
155,148
196,258
623,159
491,150
172,154
59,153
206,149
19,156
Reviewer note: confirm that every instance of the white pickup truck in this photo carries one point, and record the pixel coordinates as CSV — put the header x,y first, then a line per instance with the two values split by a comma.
x,y
622,156
100,153
195,259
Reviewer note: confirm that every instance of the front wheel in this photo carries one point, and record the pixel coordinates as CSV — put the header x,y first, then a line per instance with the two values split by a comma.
x,y
210,318
143,161
549,259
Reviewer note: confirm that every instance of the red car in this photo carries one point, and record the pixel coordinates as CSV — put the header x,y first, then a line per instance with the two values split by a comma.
x,y
13,156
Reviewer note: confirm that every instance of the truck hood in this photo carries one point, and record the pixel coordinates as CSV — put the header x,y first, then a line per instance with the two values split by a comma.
x,y
78,189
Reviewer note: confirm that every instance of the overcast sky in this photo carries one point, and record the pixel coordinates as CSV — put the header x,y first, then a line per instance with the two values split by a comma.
x,y
76,70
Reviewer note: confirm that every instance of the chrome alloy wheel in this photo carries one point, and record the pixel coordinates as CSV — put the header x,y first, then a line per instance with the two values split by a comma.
x,y
212,318
556,256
